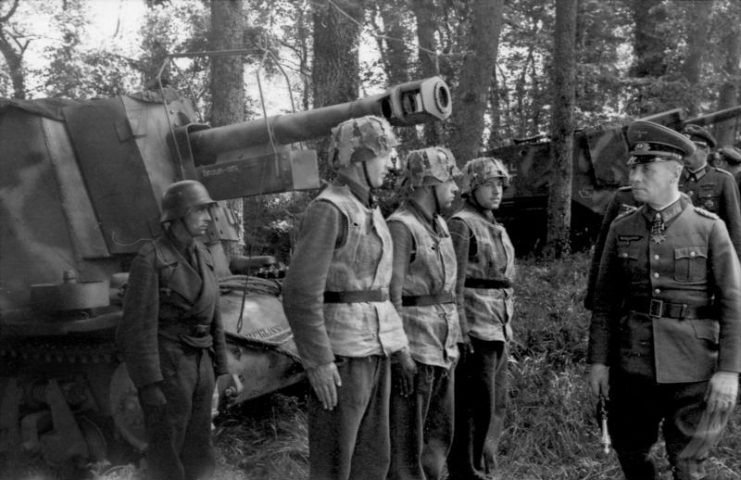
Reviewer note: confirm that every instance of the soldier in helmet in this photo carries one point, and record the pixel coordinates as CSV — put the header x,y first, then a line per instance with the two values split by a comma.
x,y
665,336
486,271
172,339
709,187
336,298
423,290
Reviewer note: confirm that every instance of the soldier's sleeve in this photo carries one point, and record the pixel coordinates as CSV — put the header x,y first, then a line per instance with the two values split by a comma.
x,y
304,285
730,211
612,211
727,285
137,332
403,243
461,237
217,332
607,303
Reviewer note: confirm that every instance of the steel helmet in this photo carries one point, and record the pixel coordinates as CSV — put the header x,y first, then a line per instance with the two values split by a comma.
x,y
369,132
181,197
430,166
480,170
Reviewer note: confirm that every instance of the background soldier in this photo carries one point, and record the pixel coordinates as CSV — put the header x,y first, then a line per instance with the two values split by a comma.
x,y
708,187
665,336
336,299
172,339
423,290
484,291
728,158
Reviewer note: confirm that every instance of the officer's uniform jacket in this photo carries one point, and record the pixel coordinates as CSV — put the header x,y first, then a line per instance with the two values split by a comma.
x,y
362,262
433,330
620,203
486,312
669,309
715,190
168,300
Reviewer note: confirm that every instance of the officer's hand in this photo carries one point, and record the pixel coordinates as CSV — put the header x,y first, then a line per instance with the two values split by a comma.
x,y
722,391
152,395
324,380
599,380
406,369
467,345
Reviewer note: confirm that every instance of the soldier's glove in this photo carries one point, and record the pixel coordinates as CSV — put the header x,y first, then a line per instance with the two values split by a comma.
x,y
152,395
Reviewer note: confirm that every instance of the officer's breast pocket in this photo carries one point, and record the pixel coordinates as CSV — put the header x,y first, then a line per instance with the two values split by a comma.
x,y
690,264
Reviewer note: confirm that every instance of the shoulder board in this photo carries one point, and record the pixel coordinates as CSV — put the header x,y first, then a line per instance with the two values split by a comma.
x,y
626,188
723,172
625,210
705,213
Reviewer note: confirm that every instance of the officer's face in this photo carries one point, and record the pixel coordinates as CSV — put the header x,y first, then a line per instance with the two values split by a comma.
x,y
197,220
377,168
446,193
699,158
654,183
489,195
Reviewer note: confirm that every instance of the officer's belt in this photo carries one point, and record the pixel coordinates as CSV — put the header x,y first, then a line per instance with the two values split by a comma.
x,y
487,283
427,300
658,308
356,296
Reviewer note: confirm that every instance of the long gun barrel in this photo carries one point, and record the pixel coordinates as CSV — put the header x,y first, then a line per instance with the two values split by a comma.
x,y
235,160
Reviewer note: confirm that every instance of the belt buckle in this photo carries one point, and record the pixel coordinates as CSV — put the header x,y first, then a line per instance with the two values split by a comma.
x,y
655,308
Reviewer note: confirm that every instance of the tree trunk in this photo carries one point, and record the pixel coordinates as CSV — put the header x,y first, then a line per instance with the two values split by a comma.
x,y
12,52
697,21
471,97
424,12
649,44
729,95
336,70
227,87
564,73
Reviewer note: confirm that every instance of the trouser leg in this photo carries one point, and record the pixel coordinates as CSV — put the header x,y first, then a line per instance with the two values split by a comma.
x,y
475,408
198,454
690,430
634,415
352,440
438,423
407,427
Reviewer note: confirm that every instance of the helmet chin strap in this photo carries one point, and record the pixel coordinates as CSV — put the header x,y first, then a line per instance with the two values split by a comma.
x,y
432,188
367,177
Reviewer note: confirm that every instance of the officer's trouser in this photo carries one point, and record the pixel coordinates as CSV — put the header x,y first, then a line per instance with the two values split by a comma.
x,y
480,405
352,440
422,425
637,406
179,433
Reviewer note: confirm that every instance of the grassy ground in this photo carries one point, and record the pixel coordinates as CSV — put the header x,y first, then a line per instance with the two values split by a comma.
x,y
550,429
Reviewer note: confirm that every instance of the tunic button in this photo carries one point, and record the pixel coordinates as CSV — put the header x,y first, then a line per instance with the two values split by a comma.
x,y
656,275
692,254
624,255
657,291
656,257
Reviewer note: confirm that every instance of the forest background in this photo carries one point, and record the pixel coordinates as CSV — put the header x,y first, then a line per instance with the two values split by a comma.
x,y
516,68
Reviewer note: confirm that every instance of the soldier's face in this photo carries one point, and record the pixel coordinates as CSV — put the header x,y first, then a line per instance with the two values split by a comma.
x,y
197,220
446,193
489,195
377,168
654,183
699,158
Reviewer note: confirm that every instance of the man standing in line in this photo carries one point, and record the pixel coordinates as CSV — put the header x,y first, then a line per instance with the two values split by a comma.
x,y
423,291
336,299
665,337
486,271
711,188
172,339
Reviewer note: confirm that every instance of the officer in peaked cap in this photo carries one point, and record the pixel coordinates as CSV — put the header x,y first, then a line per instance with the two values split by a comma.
x,y
710,187
665,336
728,158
